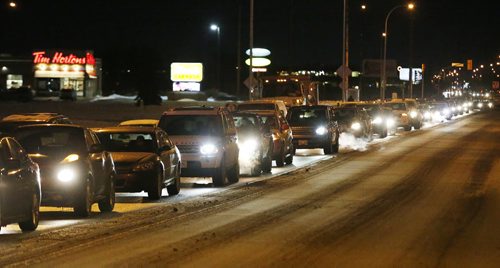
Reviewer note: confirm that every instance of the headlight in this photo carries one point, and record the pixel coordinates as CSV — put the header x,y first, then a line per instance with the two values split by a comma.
x,y
427,115
404,114
208,149
321,131
453,109
480,105
249,145
490,105
377,120
470,104
390,122
71,158
459,108
356,126
413,114
446,111
66,174
145,166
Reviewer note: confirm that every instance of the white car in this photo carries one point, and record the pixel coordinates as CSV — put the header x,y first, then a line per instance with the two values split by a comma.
x,y
207,140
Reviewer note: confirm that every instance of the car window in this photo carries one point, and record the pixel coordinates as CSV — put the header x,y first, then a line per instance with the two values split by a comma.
x,y
52,140
16,151
306,116
197,125
127,141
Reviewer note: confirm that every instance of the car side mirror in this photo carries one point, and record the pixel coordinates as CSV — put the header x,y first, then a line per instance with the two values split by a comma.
x,y
13,164
96,148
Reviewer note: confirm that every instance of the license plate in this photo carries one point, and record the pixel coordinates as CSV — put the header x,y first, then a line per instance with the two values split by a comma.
x,y
302,142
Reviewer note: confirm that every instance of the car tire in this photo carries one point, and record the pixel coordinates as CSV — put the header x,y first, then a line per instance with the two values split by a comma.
x,y
280,161
267,164
256,170
175,188
220,177
233,175
328,149
289,158
407,128
107,204
383,134
83,206
156,187
32,222
336,145
418,125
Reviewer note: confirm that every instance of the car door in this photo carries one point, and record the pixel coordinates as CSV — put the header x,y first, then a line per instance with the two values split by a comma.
x,y
97,162
230,137
14,180
166,153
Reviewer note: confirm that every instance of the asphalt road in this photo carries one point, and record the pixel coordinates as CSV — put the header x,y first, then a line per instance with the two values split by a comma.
x,y
426,198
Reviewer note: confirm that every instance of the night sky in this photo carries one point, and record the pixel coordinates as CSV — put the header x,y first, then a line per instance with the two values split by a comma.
x,y
146,36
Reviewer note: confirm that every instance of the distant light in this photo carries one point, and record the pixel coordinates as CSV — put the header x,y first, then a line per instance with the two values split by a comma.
x,y
384,34
214,27
12,4
363,7
4,68
411,6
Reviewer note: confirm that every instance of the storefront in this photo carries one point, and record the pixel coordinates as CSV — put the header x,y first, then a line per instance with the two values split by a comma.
x,y
50,71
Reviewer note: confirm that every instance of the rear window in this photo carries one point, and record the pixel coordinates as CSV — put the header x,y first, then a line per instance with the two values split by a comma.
x,y
344,114
196,125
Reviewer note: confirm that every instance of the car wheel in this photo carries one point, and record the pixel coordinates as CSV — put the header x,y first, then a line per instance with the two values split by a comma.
x,y
418,125
220,177
289,158
156,187
383,134
233,175
407,128
336,146
328,149
107,204
267,164
32,222
175,188
83,206
280,161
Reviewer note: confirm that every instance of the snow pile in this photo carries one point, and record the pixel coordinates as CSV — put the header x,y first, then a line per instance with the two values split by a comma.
x,y
112,97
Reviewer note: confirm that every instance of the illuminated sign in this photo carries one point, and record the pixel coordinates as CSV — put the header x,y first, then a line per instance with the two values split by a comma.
x,y
258,62
259,52
61,64
404,74
186,72
186,86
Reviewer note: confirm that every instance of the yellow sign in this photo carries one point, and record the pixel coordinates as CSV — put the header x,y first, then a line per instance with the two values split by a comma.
x,y
457,64
186,72
469,65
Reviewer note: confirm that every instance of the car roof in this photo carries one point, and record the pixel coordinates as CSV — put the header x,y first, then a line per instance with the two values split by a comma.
x,y
139,122
34,117
52,126
194,110
143,129
309,106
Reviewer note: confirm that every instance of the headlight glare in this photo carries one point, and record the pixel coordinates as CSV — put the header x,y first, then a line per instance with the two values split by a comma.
x,y
377,120
249,145
209,149
71,158
356,126
66,174
480,105
413,114
390,122
321,131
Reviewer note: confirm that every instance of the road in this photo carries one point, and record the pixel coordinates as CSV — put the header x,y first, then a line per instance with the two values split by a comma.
x,y
427,198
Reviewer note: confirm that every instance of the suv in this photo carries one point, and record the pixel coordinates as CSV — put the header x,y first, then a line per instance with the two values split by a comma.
x,y
354,120
263,105
314,127
406,113
206,138
9,123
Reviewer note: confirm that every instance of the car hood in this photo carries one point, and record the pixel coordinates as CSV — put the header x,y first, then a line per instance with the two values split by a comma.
x,y
44,160
131,157
194,140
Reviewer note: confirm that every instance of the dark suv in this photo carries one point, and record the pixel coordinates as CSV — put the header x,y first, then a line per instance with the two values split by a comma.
x,y
9,123
314,127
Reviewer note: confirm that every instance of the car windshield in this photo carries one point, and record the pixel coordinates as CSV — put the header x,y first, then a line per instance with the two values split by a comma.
x,y
306,116
372,109
345,114
256,106
246,123
196,125
396,105
51,140
127,141
440,105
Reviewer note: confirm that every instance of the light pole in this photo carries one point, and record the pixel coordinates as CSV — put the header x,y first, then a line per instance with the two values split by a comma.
x,y
383,83
215,27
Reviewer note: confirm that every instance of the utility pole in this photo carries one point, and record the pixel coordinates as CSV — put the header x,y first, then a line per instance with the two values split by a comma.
x,y
238,53
250,73
345,54
411,56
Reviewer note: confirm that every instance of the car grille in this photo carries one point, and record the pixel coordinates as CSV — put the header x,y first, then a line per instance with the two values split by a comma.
x,y
188,148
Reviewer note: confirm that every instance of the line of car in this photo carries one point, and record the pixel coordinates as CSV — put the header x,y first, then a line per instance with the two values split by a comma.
x,y
46,160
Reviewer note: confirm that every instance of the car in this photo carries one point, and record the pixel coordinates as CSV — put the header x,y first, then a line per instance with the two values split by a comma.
x,y
263,105
314,127
140,122
75,170
10,122
406,114
19,186
440,110
382,119
255,143
354,120
145,159
207,140
283,149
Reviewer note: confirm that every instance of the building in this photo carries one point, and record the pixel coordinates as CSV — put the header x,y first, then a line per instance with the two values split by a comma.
x,y
50,71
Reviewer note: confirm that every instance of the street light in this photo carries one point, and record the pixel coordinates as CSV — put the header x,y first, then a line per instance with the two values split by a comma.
x,y
12,4
215,27
383,83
